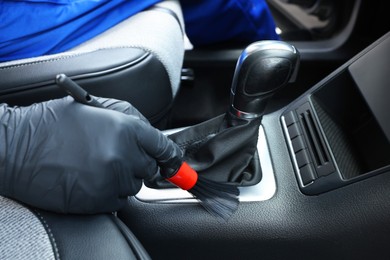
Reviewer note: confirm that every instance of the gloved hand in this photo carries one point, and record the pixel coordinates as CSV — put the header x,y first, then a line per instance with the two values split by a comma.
x,y
67,157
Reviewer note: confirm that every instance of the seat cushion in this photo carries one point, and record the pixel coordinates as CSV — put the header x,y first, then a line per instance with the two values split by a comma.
x,y
139,61
158,30
22,235
27,233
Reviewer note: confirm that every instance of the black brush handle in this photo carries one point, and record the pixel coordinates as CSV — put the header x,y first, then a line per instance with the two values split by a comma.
x,y
77,92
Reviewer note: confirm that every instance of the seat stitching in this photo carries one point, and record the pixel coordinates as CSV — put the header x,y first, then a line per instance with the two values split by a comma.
x,y
40,62
67,56
50,233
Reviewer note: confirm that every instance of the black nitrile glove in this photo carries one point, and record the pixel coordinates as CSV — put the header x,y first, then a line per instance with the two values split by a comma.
x,y
67,157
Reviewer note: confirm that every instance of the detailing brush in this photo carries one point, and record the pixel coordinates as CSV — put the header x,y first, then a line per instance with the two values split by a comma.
x,y
219,199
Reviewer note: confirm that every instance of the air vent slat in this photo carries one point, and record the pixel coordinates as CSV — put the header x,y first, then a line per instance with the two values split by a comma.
x,y
319,151
317,147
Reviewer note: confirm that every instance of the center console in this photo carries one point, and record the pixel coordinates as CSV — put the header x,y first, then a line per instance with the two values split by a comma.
x,y
339,132
325,163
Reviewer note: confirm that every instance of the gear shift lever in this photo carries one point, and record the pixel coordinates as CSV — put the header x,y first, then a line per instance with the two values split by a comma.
x,y
224,148
262,69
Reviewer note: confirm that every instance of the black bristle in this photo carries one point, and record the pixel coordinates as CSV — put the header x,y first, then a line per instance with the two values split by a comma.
x,y
220,200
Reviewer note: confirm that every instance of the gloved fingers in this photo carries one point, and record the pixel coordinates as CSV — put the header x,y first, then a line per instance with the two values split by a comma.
x,y
146,167
121,106
157,145
92,153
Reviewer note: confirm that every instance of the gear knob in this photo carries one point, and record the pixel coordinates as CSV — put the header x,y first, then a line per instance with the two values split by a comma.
x,y
262,69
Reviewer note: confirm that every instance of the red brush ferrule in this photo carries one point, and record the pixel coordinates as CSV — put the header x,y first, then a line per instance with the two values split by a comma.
x,y
185,178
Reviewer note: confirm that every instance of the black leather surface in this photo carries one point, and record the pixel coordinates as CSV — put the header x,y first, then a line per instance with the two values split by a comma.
x,y
99,62
127,73
92,237
205,150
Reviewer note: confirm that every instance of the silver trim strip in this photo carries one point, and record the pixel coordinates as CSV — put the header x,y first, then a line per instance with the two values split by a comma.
x,y
240,114
262,191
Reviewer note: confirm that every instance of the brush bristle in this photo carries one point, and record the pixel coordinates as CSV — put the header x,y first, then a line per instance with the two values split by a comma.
x,y
220,200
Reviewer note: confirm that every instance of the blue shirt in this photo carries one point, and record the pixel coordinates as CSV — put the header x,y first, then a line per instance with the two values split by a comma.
x,y
31,28
240,21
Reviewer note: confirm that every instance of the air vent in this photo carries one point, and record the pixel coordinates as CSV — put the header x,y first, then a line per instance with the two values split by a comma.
x,y
315,142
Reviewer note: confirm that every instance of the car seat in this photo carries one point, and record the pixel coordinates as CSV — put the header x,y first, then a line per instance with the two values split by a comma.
x,y
28,233
139,61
